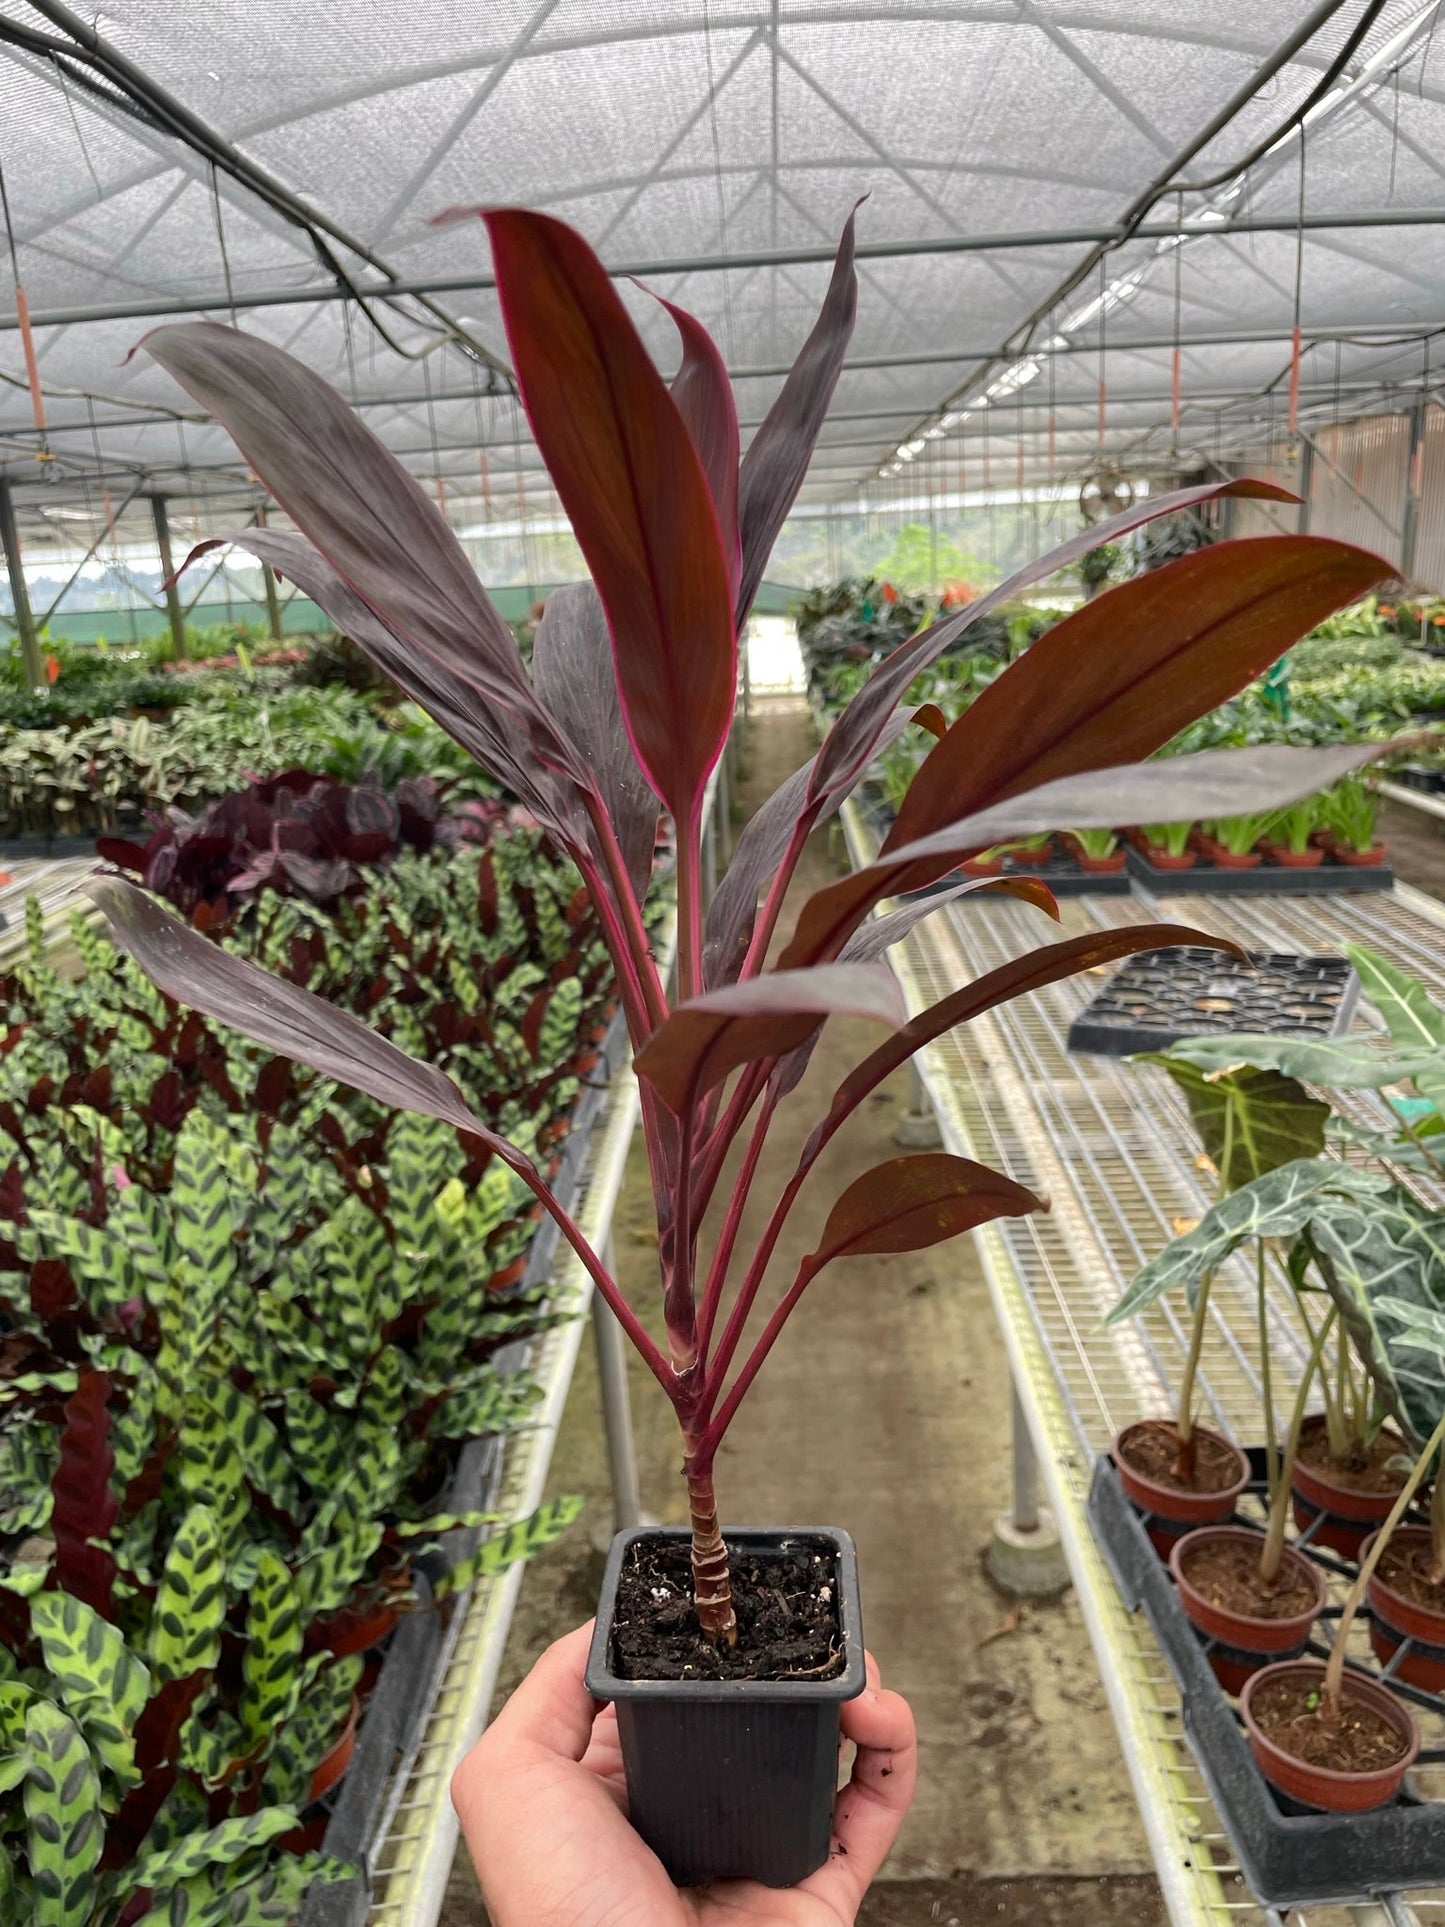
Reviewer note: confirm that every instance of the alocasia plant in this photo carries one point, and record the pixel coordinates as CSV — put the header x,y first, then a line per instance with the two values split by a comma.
x,y
626,714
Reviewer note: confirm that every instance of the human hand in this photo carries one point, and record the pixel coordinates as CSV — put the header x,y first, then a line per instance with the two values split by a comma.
x,y
543,1806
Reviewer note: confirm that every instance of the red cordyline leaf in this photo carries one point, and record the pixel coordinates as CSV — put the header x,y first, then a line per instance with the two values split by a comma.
x,y
910,1203
575,678
764,1017
704,398
1113,682
852,741
624,465
85,1507
351,497
779,453
1033,971
1216,782
282,1016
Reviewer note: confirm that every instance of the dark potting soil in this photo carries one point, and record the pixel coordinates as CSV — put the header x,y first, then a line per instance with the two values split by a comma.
x,y
1153,1452
1405,1569
1367,1470
786,1604
1226,1572
1291,1713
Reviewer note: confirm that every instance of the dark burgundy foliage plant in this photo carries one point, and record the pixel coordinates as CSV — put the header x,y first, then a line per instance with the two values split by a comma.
x,y
676,531
297,833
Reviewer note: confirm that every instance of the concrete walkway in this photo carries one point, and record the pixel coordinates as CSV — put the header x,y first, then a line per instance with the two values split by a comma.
x,y
885,1408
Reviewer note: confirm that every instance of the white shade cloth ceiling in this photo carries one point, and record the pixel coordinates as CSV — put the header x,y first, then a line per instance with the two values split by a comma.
x,y
672,132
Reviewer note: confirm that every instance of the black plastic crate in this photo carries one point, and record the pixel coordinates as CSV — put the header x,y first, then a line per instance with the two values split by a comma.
x,y
1265,880
1155,1000
1288,1855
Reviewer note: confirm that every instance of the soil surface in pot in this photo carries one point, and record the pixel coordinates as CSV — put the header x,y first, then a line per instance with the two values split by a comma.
x,y
1368,1470
786,1605
1289,1713
1227,1574
1153,1452
1405,1569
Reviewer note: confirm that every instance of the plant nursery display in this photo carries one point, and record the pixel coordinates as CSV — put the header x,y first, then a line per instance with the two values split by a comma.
x,y
249,1320
1359,1247
626,711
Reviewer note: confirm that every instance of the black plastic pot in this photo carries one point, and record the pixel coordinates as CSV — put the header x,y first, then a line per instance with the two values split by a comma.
x,y
733,1779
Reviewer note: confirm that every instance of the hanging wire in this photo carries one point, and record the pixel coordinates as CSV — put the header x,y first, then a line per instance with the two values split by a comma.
x,y
729,339
43,451
1103,350
1174,374
221,243
1292,421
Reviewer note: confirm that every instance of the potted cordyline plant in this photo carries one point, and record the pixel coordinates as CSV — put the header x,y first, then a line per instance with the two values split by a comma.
x,y
625,714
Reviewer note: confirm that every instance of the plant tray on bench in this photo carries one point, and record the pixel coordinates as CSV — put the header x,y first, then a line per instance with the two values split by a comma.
x,y
1267,879
1289,1855
1155,1000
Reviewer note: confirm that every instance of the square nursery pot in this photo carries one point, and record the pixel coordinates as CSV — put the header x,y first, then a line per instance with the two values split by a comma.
x,y
733,1779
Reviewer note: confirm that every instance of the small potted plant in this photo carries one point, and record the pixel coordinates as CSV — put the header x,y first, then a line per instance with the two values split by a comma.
x,y
625,713
1351,809
1236,839
1166,845
1032,851
1098,851
1290,839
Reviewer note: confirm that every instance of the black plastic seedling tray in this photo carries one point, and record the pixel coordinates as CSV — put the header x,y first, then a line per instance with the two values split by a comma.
x,y
1266,880
1155,1000
1288,1855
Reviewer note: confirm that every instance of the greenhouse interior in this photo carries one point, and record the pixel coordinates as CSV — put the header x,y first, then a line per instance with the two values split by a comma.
x,y
528,835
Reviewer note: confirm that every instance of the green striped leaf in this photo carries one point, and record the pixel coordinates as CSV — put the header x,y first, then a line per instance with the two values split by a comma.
x,y
519,1541
271,1664
217,1847
190,1606
104,1686
212,1472
201,1221
99,1260
263,1450
65,1830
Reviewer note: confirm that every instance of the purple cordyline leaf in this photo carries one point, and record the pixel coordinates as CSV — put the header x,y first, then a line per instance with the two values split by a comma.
x,y
574,675
779,453
351,497
622,461
761,847
1033,971
762,1017
1216,782
879,934
851,743
910,1203
483,729
704,399
283,1017
1114,681
85,1508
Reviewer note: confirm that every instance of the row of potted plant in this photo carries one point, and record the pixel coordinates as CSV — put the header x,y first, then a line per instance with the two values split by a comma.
x,y
1357,1245
249,1319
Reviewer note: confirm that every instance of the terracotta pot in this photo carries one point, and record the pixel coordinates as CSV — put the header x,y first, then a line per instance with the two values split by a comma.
x,y
1164,860
1252,1642
585,1062
1349,1516
1173,1513
975,867
1235,859
1323,839
1103,866
1318,1786
1394,1619
335,1760
356,1629
597,1034
1036,858
1288,859
1361,859
508,1275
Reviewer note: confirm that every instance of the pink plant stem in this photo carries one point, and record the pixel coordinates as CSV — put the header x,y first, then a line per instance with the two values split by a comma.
x,y
597,1272
689,905
715,1149
728,1236
717,1427
773,903
632,935
679,1306
752,1282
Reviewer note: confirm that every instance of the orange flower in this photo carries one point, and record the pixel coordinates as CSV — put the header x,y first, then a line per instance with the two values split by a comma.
x,y
52,669
1387,610
890,594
